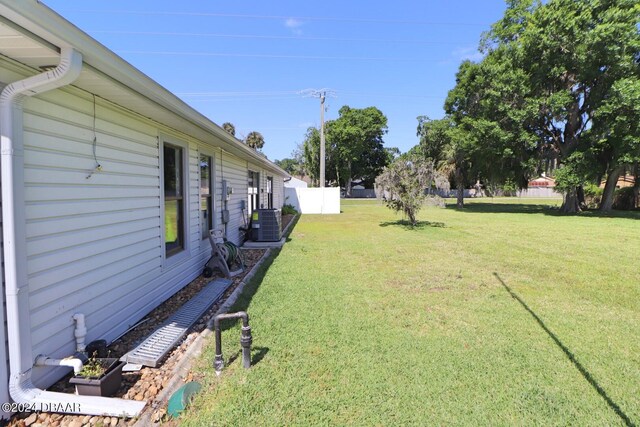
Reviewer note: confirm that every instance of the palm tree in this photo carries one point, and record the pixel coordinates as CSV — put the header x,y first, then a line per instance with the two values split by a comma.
x,y
255,140
229,127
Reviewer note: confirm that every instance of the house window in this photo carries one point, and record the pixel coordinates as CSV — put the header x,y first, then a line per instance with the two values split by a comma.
x,y
252,190
206,200
173,199
269,192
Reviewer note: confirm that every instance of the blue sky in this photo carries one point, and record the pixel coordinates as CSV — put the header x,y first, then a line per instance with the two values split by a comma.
x,y
246,61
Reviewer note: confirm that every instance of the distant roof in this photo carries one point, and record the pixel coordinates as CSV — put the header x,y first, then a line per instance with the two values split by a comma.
x,y
295,183
543,181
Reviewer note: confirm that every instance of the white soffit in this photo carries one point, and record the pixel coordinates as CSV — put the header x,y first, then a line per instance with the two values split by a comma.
x,y
24,49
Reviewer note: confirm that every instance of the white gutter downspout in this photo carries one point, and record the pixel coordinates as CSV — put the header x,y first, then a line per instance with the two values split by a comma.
x,y
21,359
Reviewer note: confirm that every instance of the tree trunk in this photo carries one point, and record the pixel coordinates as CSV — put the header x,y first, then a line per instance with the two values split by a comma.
x,y
582,202
412,217
571,203
347,187
460,188
636,184
609,189
460,196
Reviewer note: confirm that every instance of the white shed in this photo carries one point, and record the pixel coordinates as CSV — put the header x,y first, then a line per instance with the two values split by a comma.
x,y
109,184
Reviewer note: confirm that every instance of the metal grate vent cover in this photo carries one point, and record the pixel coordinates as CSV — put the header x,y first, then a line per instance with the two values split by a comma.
x,y
163,339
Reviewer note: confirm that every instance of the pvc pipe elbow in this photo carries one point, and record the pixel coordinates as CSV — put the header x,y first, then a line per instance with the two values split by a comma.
x,y
71,362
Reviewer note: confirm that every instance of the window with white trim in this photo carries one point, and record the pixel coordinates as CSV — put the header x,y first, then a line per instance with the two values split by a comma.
x,y
206,193
174,198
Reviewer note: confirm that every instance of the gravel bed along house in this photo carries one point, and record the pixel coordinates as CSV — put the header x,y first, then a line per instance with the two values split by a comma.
x,y
146,384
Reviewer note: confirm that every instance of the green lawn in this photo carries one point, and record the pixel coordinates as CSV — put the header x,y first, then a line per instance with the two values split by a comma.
x,y
499,314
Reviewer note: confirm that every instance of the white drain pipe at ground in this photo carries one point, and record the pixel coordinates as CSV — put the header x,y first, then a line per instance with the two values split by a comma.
x,y
80,332
71,362
21,359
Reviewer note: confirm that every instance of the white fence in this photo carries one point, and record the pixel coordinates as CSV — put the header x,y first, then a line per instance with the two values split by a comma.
x,y
314,200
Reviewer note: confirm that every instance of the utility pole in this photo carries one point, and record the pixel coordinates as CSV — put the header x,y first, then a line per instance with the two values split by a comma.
x,y
322,94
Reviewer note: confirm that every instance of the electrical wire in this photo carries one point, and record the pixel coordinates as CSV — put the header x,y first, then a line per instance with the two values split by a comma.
x,y
266,37
97,167
277,17
273,56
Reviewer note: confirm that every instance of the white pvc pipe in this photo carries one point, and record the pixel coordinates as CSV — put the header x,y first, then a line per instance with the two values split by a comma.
x,y
72,362
21,387
80,332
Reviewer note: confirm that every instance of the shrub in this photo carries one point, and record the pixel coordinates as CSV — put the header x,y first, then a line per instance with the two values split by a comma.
x,y
592,195
510,188
288,209
402,185
624,199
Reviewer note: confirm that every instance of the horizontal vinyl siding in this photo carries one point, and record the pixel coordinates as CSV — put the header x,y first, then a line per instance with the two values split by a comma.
x,y
235,172
194,199
278,191
93,239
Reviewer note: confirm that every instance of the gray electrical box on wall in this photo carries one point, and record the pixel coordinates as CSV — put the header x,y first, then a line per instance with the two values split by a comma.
x,y
225,216
226,190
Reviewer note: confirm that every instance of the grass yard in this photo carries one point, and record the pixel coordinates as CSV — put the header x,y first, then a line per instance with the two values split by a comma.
x,y
503,313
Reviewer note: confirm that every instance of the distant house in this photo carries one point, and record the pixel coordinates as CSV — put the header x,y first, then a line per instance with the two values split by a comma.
x,y
542,182
543,186
110,184
295,183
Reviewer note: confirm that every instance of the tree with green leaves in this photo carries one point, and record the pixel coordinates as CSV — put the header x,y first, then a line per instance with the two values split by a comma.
x,y
355,152
230,128
402,185
311,153
255,140
616,134
293,165
569,55
442,144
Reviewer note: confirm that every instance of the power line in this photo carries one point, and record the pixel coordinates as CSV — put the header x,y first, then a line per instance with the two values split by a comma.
x,y
267,37
272,56
215,96
276,17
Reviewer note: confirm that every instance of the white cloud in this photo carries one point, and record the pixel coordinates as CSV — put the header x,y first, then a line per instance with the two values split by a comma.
x,y
470,53
294,25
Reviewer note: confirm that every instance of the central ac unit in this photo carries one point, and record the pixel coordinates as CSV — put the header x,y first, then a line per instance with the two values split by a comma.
x,y
266,225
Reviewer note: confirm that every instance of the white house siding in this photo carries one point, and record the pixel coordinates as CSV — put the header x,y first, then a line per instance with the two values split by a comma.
x,y
94,244
94,238
234,171
278,191
194,199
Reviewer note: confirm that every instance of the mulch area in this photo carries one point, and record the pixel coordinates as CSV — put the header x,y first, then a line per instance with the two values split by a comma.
x,y
145,384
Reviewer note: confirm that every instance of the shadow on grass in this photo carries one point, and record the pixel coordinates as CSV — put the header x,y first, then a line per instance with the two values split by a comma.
x,y
407,225
257,355
526,208
572,358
